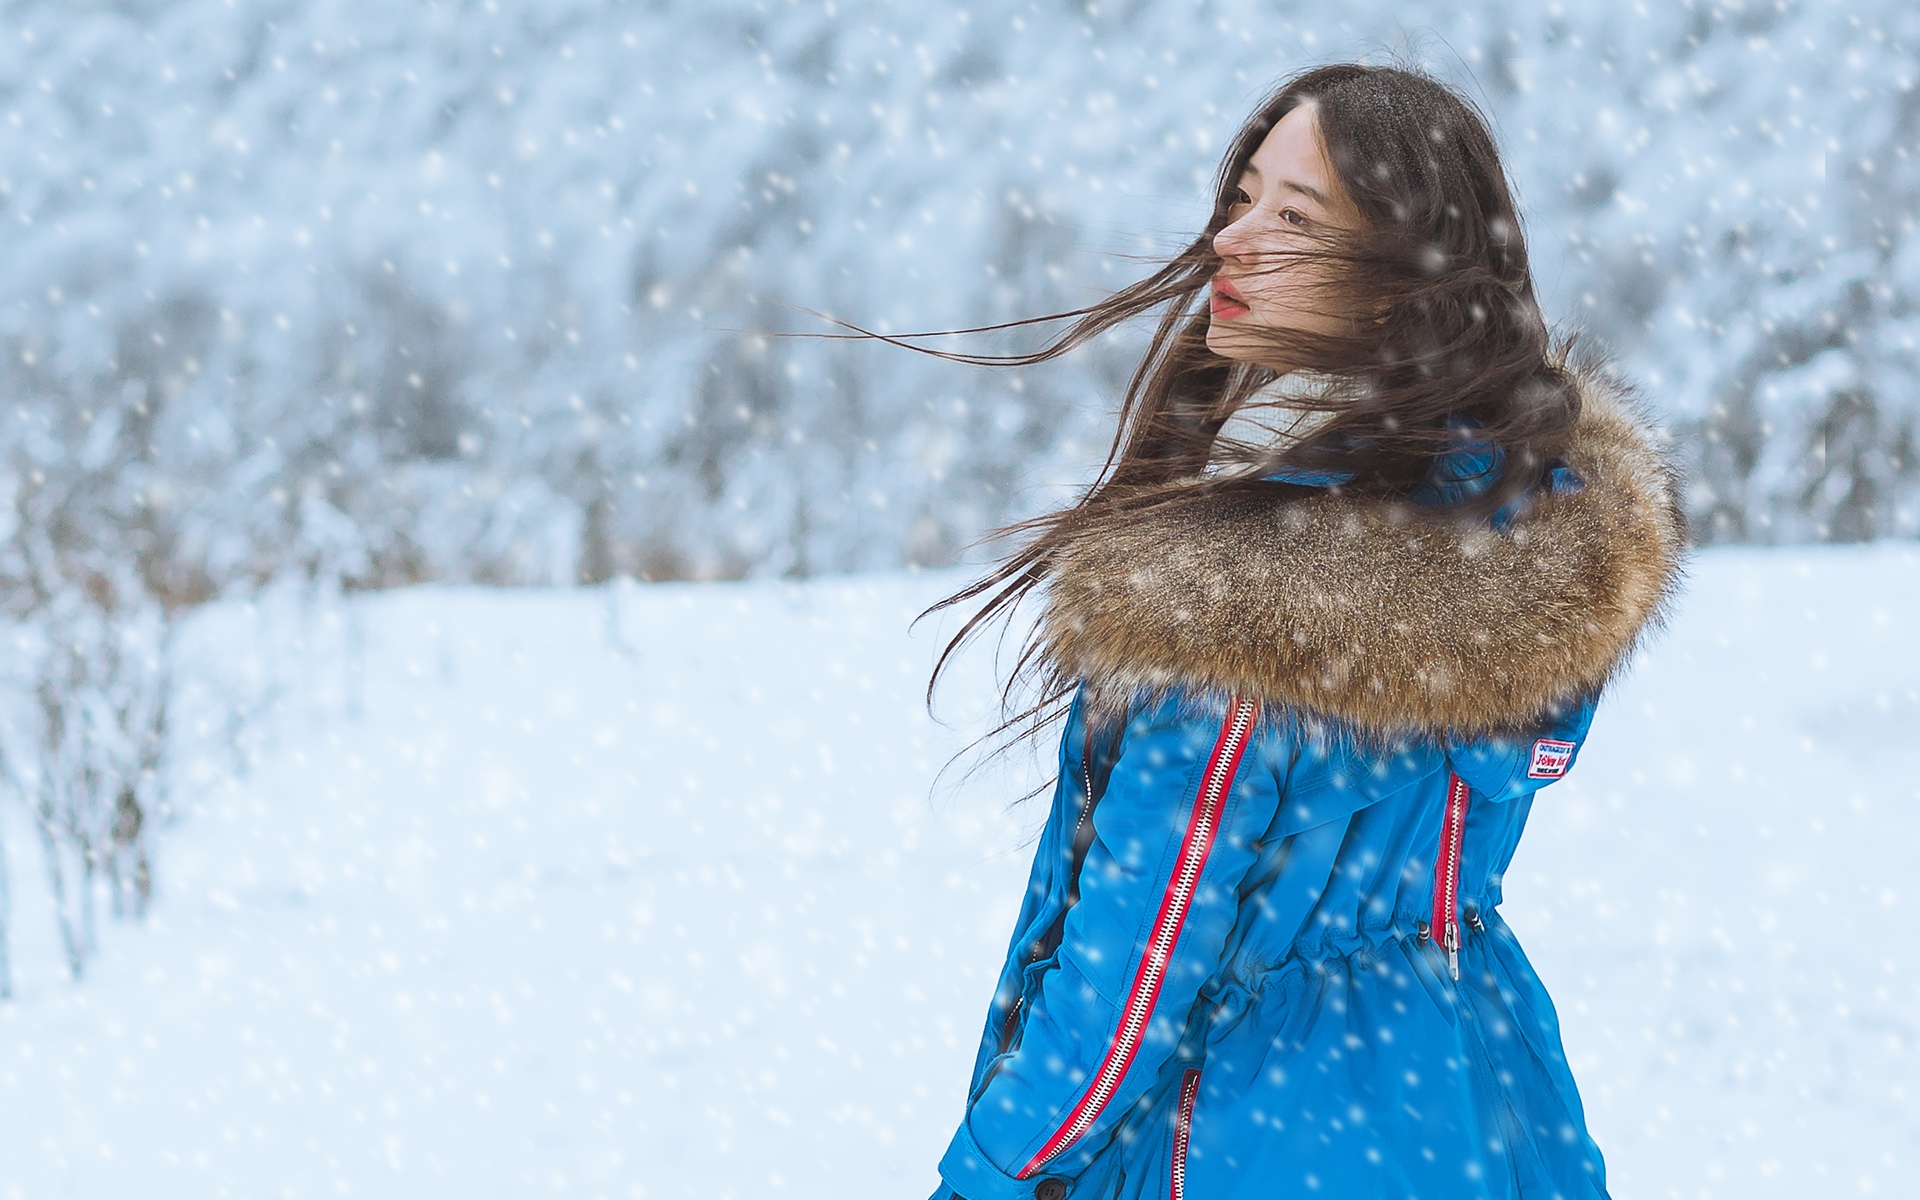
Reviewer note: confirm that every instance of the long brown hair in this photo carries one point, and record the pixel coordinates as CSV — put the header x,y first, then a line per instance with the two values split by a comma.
x,y
1452,335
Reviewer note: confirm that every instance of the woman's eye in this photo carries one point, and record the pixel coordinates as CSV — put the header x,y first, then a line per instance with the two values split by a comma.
x,y
1294,217
1238,197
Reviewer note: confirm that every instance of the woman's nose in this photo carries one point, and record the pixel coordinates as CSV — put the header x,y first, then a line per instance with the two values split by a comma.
x,y
1230,241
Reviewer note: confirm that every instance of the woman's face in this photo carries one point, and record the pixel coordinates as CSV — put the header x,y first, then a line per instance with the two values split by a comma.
x,y
1287,192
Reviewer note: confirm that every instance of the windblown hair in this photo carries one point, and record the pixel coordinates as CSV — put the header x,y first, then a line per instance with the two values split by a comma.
x,y
1450,332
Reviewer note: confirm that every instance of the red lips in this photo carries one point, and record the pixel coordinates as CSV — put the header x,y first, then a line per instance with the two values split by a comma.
x,y
1227,302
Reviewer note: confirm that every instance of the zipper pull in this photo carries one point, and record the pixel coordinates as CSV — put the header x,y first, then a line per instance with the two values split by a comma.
x,y
1451,941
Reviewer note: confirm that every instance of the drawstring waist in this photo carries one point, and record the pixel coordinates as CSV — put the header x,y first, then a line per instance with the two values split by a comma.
x,y
1408,932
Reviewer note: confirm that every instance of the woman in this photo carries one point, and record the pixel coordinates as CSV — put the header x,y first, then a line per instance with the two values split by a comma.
x,y
1367,550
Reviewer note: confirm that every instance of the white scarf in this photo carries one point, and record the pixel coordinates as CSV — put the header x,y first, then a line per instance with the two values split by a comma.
x,y
1263,422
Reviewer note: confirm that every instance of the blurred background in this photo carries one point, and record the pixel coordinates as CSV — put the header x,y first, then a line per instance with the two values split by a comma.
x,y
460,710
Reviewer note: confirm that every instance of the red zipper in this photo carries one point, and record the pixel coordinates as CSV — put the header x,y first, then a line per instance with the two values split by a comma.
x,y
1182,1130
1446,872
1202,825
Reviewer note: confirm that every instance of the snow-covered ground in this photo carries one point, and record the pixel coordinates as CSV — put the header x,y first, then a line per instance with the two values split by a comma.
x,y
542,903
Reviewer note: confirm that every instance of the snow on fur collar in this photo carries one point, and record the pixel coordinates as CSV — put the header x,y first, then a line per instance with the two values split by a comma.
x,y
1357,611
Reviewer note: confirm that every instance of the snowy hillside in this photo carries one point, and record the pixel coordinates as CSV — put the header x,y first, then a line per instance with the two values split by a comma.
x,y
537,893
460,289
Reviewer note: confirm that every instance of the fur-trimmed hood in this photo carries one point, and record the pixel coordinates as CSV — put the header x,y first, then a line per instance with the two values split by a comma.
x,y
1355,611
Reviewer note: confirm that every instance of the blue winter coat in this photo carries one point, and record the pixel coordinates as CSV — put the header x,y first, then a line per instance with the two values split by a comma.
x,y
1260,953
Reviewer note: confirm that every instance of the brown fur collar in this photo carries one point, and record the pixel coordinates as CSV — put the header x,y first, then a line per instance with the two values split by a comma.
x,y
1353,610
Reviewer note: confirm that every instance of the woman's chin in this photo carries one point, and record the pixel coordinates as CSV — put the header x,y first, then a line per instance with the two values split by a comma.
x,y
1222,342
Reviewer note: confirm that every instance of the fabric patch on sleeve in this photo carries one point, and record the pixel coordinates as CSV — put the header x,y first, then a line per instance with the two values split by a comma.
x,y
1550,759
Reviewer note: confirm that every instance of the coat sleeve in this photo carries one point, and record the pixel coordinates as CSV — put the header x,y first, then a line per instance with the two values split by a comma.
x,y
1046,890
1175,832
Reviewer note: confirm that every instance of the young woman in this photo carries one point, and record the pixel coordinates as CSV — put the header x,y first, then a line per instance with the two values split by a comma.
x,y
1366,551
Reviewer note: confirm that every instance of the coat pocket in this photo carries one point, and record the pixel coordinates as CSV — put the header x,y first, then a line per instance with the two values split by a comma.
x,y
1182,1133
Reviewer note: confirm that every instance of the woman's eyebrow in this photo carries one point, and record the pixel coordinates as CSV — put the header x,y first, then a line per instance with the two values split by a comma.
x,y
1305,189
